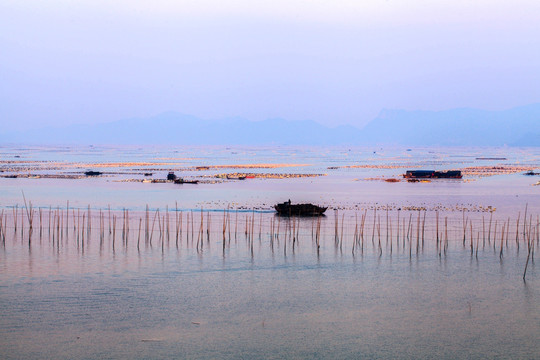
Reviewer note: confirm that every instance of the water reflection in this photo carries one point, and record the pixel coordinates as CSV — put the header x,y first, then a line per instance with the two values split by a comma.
x,y
387,295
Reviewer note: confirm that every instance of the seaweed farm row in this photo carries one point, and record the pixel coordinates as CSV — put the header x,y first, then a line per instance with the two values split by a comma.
x,y
384,231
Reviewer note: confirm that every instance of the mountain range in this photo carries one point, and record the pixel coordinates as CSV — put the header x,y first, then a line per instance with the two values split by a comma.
x,y
518,126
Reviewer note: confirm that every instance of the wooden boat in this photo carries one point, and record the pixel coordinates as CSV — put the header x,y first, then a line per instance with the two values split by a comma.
x,y
182,181
92,173
236,177
288,209
432,174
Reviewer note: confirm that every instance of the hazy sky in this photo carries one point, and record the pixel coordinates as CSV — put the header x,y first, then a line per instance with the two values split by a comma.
x,y
334,62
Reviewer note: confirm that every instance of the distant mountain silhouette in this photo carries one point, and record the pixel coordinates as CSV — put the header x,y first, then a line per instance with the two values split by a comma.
x,y
462,127
176,128
458,127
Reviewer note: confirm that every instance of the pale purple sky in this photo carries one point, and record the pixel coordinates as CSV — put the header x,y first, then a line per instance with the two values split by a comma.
x,y
335,62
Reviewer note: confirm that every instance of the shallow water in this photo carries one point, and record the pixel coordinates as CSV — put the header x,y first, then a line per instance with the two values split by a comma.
x,y
266,296
161,301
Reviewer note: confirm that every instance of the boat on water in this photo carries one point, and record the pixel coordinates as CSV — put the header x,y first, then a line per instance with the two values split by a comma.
x,y
229,177
432,174
288,209
182,181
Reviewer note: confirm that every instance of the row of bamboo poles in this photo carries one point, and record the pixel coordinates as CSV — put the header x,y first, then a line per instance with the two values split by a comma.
x,y
394,230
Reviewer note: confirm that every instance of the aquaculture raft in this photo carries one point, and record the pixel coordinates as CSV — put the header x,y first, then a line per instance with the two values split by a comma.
x,y
288,209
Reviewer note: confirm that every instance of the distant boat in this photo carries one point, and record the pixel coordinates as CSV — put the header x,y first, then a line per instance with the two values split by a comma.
x,y
288,209
182,181
92,173
171,176
229,177
432,174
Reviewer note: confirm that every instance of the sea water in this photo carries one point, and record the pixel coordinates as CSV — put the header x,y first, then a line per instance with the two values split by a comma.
x,y
239,295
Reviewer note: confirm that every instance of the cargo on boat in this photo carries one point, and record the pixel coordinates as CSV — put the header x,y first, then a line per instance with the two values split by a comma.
x,y
432,174
288,209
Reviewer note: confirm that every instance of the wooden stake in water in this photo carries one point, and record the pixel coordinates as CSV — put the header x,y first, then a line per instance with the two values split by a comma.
x,y
147,225
139,234
153,224
109,206
529,250
159,228
525,219
192,227
236,225
114,231
418,232
387,224
494,235
208,221
176,221
229,222
167,222
341,237
2,227
409,226
464,227
15,211
224,227
489,228
445,234
483,232
373,232
517,229
502,240
67,216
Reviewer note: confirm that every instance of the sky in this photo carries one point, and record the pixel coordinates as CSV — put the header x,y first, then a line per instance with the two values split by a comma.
x,y
334,62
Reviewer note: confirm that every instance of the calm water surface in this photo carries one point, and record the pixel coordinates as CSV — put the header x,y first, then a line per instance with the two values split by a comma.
x,y
261,297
